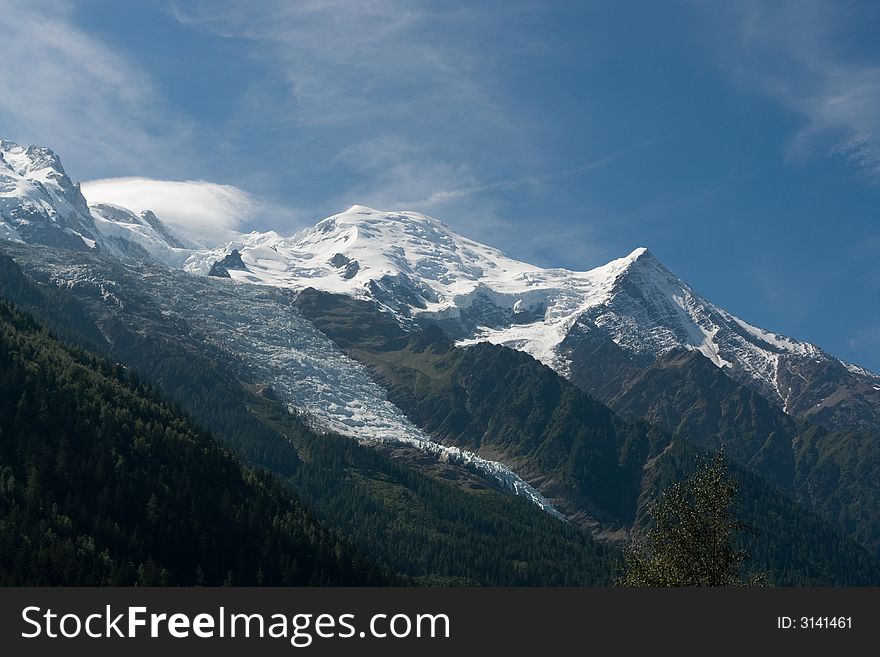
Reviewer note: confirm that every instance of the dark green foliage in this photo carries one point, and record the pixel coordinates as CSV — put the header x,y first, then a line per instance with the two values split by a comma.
x,y
838,475
690,539
433,530
593,464
425,528
438,533
103,483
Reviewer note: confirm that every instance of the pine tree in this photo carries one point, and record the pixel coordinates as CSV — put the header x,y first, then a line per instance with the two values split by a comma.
x,y
690,541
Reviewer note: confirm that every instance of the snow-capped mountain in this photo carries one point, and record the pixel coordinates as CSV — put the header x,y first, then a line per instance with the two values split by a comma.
x,y
40,204
38,201
417,267
145,230
423,272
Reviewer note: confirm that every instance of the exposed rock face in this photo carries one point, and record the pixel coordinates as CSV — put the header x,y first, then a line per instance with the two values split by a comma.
x,y
232,261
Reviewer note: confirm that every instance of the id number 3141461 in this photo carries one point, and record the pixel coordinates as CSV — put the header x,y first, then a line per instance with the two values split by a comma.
x,y
814,622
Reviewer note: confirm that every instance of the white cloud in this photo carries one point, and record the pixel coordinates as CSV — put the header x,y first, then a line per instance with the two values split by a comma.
x,y
66,89
205,212
800,53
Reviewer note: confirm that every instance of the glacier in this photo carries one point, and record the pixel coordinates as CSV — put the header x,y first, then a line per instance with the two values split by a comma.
x,y
260,330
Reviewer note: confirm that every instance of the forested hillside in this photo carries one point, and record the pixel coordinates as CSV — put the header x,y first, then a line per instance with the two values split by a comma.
x,y
103,483
401,514
604,469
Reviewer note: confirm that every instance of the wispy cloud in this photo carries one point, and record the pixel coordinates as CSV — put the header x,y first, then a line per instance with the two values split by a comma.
x,y
395,165
393,174
64,88
391,97
343,60
203,211
866,339
799,52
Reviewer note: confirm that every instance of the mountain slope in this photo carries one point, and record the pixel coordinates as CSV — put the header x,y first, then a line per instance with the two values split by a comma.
x,y
367,489
130,232
257,331
651,312
835,474
102,483
684,393
599,469
503,404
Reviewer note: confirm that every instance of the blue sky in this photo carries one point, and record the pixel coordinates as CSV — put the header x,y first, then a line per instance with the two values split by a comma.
x,y
739,140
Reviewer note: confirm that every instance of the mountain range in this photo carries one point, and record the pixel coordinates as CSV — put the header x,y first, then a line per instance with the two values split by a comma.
x,y
582,392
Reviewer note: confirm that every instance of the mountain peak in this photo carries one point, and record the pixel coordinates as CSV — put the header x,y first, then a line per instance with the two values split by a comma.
x,y
637,253
9,146
25,160
642,258
120,226
39,203
642,265
362,209
639,259
362,215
